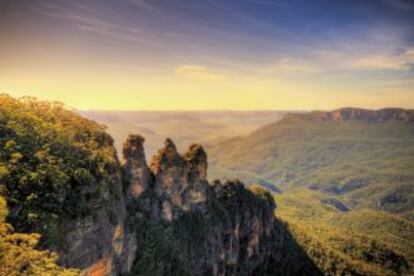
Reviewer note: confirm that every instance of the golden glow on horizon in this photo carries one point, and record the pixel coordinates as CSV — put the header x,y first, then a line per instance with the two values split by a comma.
x,y
202,90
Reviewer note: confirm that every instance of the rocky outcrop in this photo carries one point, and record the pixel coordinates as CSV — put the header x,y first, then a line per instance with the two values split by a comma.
x,y
98,243
175,184
222,229
137,172
357,114
209,228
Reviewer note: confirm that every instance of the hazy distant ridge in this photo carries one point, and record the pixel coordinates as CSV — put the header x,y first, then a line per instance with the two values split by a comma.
x,y
358,114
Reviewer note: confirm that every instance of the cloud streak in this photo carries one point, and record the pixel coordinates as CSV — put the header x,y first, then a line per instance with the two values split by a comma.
x,y
86,19
145,5
375,61
199,73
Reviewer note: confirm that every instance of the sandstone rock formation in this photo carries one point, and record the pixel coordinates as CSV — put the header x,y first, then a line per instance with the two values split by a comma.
x,y
214,228
225,229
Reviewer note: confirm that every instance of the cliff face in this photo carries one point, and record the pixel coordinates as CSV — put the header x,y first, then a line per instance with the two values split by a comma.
x,y
98,243
221,228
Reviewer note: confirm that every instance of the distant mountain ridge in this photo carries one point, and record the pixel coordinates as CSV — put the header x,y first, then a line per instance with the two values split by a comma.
x,y
364,156
358,114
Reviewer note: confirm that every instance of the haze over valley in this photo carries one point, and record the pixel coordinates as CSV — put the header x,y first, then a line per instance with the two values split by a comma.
x,y
184,127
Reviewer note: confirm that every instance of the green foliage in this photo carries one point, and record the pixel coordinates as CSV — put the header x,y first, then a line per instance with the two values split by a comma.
x,y
261,192
18,256
366,242
191,227
158,250
236,196
49,159
170,249
324,166
358,164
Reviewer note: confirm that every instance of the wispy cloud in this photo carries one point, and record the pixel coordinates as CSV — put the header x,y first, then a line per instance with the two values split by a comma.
x,y
86,19
372,50
281,66
199,73
294,65
145,5
381,62
387,61
112,30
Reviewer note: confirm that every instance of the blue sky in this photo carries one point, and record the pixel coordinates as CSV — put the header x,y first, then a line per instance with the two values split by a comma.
x,y
245,54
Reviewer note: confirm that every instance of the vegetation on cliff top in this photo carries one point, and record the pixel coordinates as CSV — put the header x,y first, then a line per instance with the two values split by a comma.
x,y
48,155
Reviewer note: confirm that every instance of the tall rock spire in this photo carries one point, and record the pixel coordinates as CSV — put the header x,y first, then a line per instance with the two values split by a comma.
x,y
137,171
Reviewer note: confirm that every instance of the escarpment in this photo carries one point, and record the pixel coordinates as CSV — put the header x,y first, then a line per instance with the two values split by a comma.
x,y
216,229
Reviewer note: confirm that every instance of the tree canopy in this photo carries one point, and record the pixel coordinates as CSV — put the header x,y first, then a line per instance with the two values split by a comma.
x,y
48,154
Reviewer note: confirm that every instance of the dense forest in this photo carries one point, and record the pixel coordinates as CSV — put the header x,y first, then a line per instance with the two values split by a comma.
x,y
356,242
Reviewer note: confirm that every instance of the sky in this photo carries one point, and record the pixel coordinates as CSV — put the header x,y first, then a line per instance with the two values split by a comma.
x,y
210,54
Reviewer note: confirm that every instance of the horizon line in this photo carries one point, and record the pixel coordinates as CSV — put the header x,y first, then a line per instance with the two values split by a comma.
x,y
239,110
